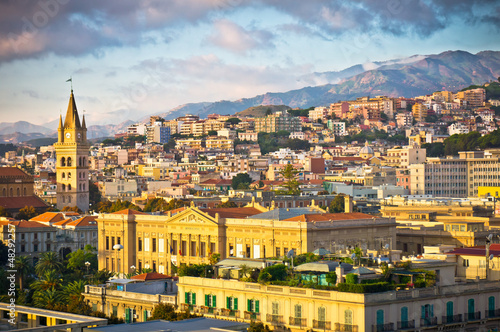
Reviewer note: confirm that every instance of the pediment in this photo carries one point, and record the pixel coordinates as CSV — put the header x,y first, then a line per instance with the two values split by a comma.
x,y
192,216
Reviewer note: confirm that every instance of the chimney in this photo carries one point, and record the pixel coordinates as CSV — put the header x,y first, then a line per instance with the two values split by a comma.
x,y
347,204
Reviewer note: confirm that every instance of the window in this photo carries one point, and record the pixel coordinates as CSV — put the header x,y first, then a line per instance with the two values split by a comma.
x,y
35,247
321,314
190,298
139,244
35,236
278,252
427,314
491,306
404,317
118,240
465,262
276,308
112,241
298,311
380,317
210,301
154,245
348,317
449,311
232,303
107,242
253,306
115,310
48,247
471,309
69,161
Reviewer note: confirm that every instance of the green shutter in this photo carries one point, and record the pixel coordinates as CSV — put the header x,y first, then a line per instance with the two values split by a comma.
x,y
193,298
235,303
432,311
257,306
206,300
491,303
423,311
145,315
249,305
186,297
228,302
127,315
214,301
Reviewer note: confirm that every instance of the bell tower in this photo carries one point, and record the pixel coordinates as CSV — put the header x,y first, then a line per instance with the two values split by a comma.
x,y
72,150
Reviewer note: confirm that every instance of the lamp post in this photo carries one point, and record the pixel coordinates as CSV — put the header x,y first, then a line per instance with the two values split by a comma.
x,y
118,247
133,269
87,264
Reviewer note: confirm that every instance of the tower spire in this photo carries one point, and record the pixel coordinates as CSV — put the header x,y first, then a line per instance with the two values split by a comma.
x,y
72,120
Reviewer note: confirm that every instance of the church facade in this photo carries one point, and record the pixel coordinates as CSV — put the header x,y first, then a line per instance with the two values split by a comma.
x,y
72,150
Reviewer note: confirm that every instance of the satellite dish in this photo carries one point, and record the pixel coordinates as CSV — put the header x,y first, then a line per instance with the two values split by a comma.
x,y
290,253
386,246
491,257
489,237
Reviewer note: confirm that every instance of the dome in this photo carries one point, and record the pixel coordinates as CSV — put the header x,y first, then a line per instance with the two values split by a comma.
x,y
366,150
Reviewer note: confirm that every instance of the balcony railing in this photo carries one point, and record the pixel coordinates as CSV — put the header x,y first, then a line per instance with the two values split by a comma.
x,y
229,313
345,328
492,313
472,316
275,319
297,321
383,327
452,319
322,325
406,324
206,310
431,321
252,315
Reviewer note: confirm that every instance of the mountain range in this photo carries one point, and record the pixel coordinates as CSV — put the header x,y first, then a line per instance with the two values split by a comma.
x,y
408,77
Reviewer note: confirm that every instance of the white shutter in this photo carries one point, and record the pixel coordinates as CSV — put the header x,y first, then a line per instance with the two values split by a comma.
x,y
161,245
146,244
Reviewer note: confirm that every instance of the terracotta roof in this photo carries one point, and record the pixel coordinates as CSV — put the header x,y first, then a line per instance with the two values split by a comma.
x,y
63,222
128,212
232,212
22,201
330,217
151,276
477,251
49,217
87,221
12,172
217,182
27,224
175,211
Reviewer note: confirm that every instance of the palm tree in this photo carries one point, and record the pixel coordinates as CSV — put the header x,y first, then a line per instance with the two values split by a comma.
x,y
50,280
72,296
74,289
47,299
48,261
23,266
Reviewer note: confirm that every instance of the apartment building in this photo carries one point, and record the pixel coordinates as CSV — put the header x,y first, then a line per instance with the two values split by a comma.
x,y
276,122
404,119
405,156
318,113
483,169
472,98
219,143
419,112
337,127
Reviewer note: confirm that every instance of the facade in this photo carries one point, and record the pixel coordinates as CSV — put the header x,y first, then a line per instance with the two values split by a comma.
x,y
191,235
276,122
462,307
419,112
472,98
458,128
72,149
405,156
161,134
337,127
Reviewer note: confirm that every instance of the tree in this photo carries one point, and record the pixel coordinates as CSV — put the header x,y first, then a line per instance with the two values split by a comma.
x,y
258,327
338,204
331,278
49,280
227,204
49,261
155,204
261,184
233,121
26,213
47,299
77,259
241,179
23,266
269,112
170,145
212,133
72,295
71,209
94,194
164,311
273,273
291,184
101,277
214,258
3,212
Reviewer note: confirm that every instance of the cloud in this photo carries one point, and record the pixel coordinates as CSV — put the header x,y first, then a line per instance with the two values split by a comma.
x,y
31,93
232,37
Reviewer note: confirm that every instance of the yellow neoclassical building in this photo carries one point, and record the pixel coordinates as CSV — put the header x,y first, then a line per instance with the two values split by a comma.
x,y
190,235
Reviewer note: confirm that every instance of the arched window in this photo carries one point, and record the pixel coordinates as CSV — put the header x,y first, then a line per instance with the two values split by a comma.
x,y
84,187
11,192
63,187
63,161
24,191
80,161
69,161
80,187
4,192
69,175
83,161
18,192
63,175
69,187
69,199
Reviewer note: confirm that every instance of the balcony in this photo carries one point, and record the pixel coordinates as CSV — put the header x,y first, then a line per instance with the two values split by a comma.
x,y
431,321
297,321
472,316
275,319
322,325
230,313
492,313
345,328
406,325
383,327
452,319
207,310
251,315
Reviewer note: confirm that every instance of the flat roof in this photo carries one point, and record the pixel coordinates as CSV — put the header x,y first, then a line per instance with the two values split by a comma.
x,y
201,324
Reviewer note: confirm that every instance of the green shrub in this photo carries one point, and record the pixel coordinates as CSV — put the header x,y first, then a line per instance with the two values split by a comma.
x,y
365,288
351,278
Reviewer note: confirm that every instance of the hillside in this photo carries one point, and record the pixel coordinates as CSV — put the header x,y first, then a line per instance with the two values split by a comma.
x,y
410,77
260,111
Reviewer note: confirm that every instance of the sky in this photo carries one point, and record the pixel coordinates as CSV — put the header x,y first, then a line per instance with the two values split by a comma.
x,y
132,58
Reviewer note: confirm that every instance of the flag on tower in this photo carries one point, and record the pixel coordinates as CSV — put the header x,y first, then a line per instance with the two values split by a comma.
x,y
69,80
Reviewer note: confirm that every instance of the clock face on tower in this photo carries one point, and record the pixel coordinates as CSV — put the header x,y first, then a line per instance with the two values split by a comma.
x,y
68,135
